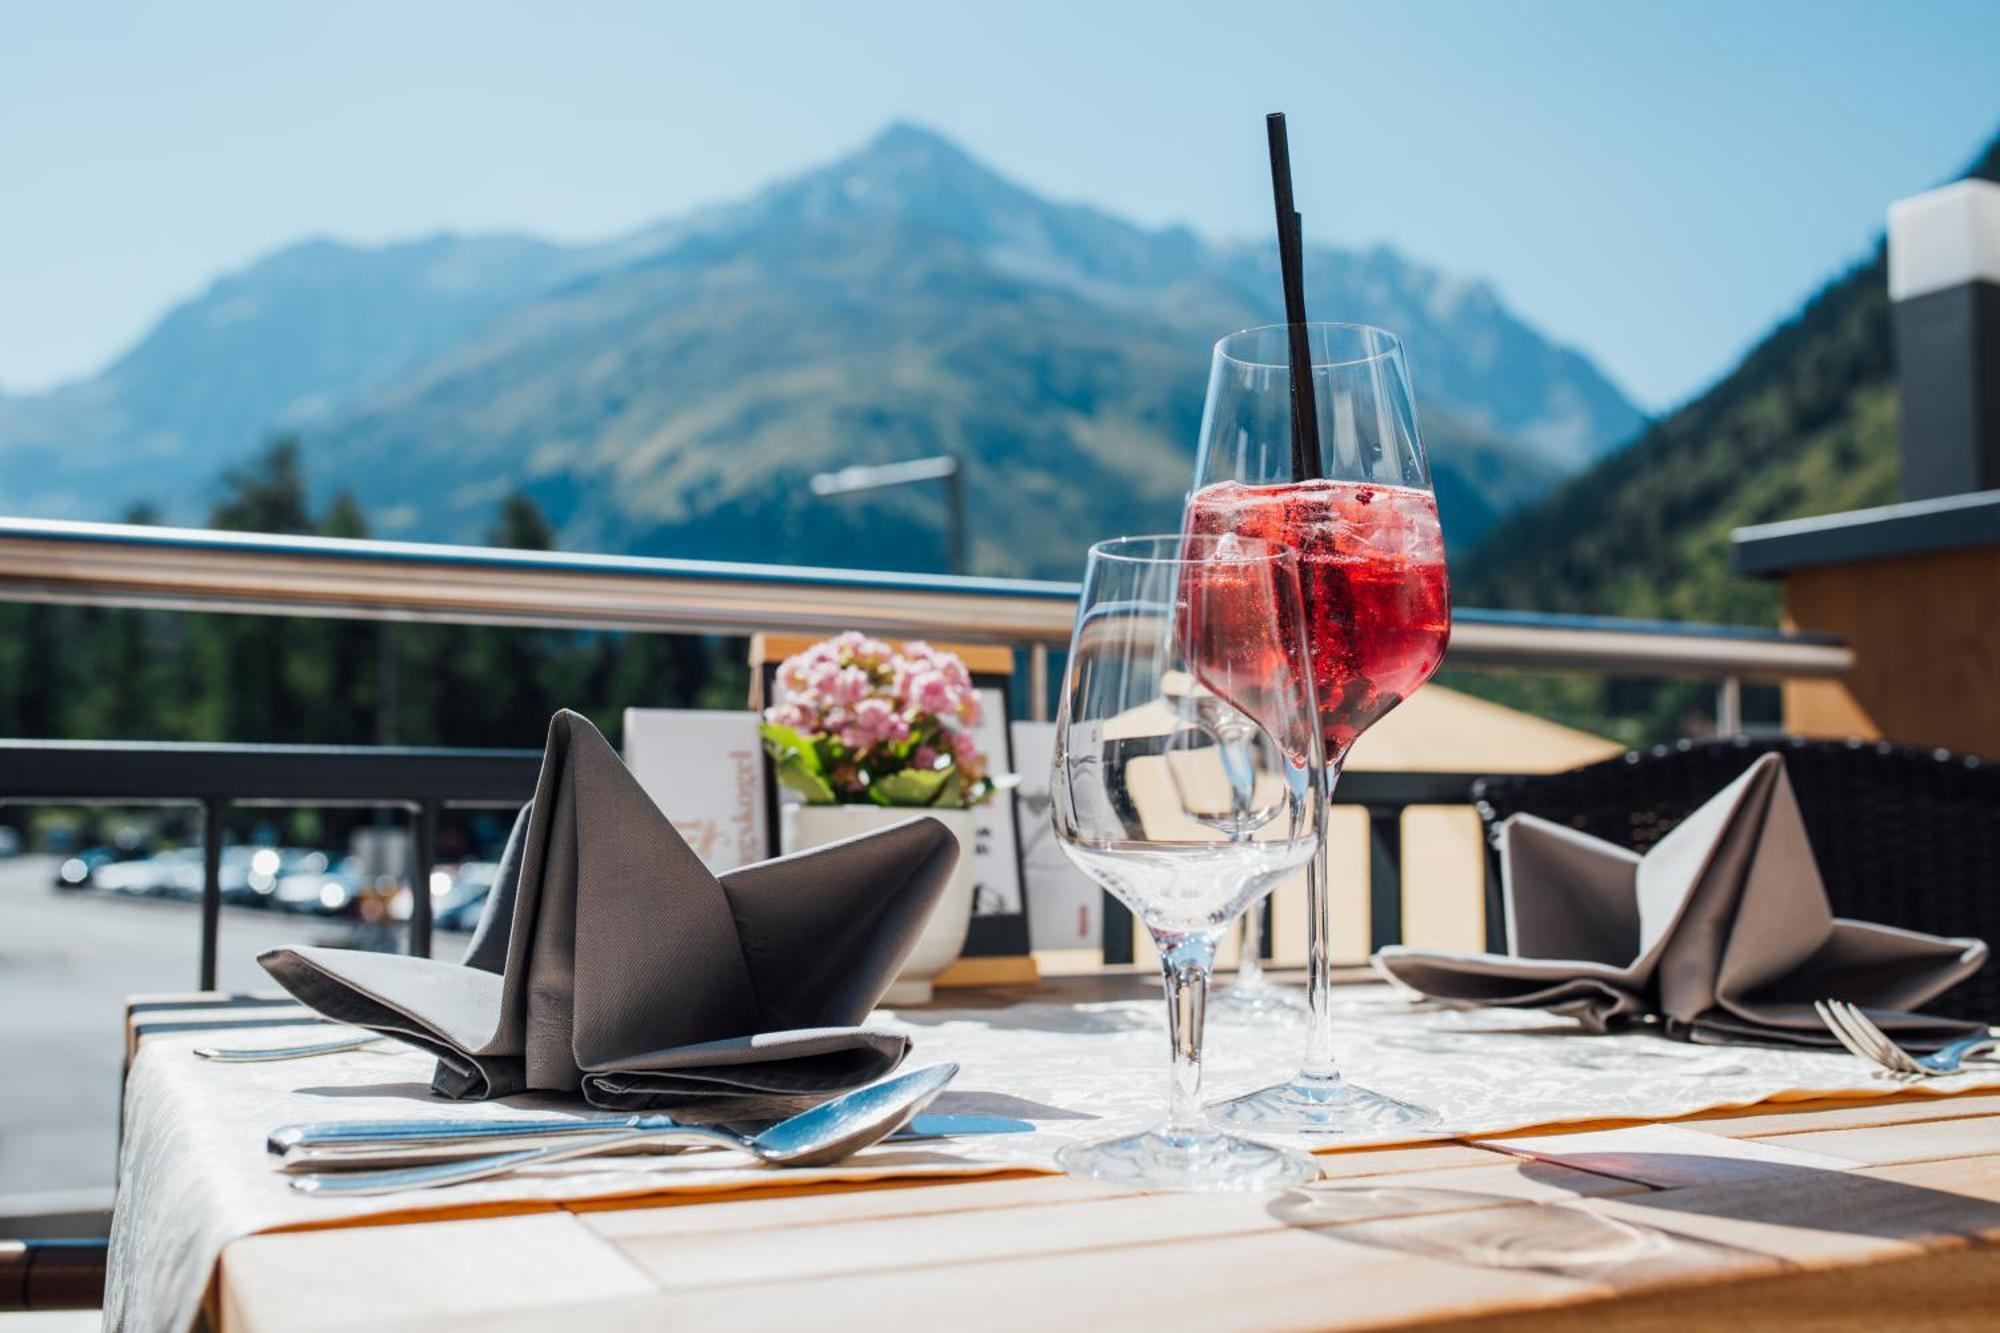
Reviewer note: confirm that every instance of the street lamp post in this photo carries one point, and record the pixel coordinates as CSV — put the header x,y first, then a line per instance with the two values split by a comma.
x,y
944,468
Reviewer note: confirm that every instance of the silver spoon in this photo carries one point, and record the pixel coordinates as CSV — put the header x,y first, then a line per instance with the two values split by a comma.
x,y
827,1133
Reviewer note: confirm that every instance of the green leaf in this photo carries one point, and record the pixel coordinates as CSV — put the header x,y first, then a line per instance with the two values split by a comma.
x,y
911,786
806,783
789,747
798,763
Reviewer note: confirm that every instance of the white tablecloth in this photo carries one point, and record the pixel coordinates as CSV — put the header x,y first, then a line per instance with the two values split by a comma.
x,y
194,1175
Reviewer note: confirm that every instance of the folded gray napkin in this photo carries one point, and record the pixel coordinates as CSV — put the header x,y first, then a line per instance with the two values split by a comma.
x,y
609,960
1722,931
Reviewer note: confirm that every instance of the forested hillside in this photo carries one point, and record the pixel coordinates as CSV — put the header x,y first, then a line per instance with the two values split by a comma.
x,y
87,673
1805,425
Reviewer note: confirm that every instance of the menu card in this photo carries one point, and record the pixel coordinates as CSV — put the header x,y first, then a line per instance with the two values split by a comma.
x,y
705,770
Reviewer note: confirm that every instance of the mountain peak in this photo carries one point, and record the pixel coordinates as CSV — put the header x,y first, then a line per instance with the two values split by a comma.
x,y
907,157
901,138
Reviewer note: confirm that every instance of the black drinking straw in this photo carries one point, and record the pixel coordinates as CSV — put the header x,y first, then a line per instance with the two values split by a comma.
x,y
1291,263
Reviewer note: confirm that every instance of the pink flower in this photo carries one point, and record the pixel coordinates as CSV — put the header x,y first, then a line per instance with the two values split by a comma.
x,y
872,654
849,685
874,723
964,749
794,715
924,758
820,677
930,692
792,674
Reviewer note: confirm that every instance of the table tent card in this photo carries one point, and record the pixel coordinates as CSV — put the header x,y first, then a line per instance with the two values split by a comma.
x,y
1722,931
996,866
705,769
1065,906
611,961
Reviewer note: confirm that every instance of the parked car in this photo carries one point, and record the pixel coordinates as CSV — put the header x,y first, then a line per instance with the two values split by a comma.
x,y
79,871
330,890
170,874
250,875
470,883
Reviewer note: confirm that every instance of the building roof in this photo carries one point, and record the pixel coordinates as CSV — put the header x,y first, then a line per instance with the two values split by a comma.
x,y
1440,730
1951,522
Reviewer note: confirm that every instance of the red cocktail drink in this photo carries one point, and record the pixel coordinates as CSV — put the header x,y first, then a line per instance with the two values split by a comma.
x,y
1372,573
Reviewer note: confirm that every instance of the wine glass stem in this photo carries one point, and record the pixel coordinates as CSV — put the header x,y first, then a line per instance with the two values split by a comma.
x,y
1319,1061
1250,964
1185,960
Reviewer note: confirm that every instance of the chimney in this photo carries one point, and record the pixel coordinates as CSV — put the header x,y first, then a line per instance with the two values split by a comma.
x,y
1944,286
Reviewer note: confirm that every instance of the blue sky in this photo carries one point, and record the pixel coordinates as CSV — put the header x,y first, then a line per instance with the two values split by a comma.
x,y
1655,183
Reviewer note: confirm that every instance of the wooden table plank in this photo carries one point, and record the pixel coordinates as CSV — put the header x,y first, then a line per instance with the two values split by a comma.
x,y
367,1277
1090,1220
1820,1219
1283,1278
1926,1141
1954,1291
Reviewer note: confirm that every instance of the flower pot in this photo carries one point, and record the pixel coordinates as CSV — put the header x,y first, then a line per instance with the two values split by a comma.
x,y
944,934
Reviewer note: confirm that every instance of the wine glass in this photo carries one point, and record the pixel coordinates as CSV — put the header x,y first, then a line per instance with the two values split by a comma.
x,y
1251,996
1377,607
1185,783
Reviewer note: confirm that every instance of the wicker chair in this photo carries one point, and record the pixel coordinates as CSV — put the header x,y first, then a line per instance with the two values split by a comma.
x,y
1905,836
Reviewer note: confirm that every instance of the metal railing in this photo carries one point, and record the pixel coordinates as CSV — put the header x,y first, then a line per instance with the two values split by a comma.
x,y
425,782
213,778
110,564
190,569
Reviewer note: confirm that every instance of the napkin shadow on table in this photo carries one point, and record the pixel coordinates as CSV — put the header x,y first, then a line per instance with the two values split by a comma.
x,y
609,960
1722,931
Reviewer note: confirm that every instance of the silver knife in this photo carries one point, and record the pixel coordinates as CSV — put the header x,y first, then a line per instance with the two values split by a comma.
x,y
244,1055
370,1143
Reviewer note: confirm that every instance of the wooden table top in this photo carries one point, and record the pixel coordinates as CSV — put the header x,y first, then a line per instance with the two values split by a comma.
x,y
1829,1215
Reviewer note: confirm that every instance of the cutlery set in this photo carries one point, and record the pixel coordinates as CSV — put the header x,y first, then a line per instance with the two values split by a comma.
x,y
362,1157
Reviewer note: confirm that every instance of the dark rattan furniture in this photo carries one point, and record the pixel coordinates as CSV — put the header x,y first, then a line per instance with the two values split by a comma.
x,y
1905,836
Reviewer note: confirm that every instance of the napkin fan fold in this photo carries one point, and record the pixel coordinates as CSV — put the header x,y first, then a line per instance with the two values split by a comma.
x,y
609,960
1722,931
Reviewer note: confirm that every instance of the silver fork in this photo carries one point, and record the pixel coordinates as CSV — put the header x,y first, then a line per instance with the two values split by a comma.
x,y
1860,1035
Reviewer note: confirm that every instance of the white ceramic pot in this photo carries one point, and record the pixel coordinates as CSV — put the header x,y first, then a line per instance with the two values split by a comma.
x,y
944,934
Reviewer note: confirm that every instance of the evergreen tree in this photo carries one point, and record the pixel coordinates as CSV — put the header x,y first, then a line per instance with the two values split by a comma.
x,y
102,673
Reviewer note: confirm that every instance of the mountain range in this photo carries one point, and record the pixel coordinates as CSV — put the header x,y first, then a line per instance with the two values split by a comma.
x,y
671,391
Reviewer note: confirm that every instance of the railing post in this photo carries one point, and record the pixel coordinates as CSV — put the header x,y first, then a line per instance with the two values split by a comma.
x,y
211,886
1729,706
1038,682
1385,876
423,855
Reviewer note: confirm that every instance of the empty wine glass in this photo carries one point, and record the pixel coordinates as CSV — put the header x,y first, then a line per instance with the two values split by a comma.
x,y
1186,784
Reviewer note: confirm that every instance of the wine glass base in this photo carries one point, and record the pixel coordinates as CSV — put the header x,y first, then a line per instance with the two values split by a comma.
x,y
1265,1003
1331,1106
1206,1162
